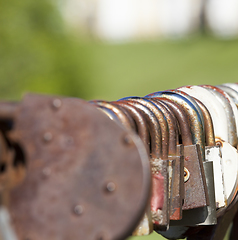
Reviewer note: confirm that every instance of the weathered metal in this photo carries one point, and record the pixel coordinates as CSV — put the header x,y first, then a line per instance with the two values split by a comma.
x,y
215,109
230,91
176,154
231,112
196,122
140,121
228,153
160,181
79,168
208,165
196,194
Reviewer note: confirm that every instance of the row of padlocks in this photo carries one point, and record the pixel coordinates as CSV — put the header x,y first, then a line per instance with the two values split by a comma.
x,y
190,134
166,162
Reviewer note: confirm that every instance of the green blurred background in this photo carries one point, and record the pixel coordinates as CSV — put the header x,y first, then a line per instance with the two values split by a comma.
x,y
39,53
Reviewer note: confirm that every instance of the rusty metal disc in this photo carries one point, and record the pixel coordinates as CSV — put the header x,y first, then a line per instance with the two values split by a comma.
x,y
87,178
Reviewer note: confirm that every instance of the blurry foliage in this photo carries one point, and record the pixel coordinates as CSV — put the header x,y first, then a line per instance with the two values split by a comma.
x,y
37,53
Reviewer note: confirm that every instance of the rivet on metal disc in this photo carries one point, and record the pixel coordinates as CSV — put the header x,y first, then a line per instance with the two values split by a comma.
x,y
78,210
101,236
46,171
127,140
57,103
111,187
48,136
186,174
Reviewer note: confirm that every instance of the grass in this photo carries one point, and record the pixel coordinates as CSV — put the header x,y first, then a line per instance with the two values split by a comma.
x,y
141,68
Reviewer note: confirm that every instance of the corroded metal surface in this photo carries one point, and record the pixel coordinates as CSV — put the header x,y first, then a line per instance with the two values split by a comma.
x,y
194,118
140,121
196,193
176,154
79,168
231,115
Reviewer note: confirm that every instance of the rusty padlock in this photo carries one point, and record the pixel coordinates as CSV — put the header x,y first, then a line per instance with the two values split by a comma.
x,y
176,154
205,215
212,151
160,181
74,174
196,193
166,141
229,150
228,163
209,211
210,148
164,134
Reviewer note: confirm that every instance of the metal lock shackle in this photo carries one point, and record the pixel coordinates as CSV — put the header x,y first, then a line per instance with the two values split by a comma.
x,y
197,177
192,102
165,139
232,85
145,226
218,115
162,122
208,124
231,112
216,110
159,199
124,118
231,92
153,126
210,148
195,118
142,129
172,126
109,113
175,153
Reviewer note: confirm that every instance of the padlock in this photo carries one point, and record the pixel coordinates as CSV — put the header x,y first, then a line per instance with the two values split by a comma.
x,y
210,211
193,148
195,216
205,215
165,142
212,153
80,163
176,154
145,226
160,186
232,116
228,163
231,112
210,149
